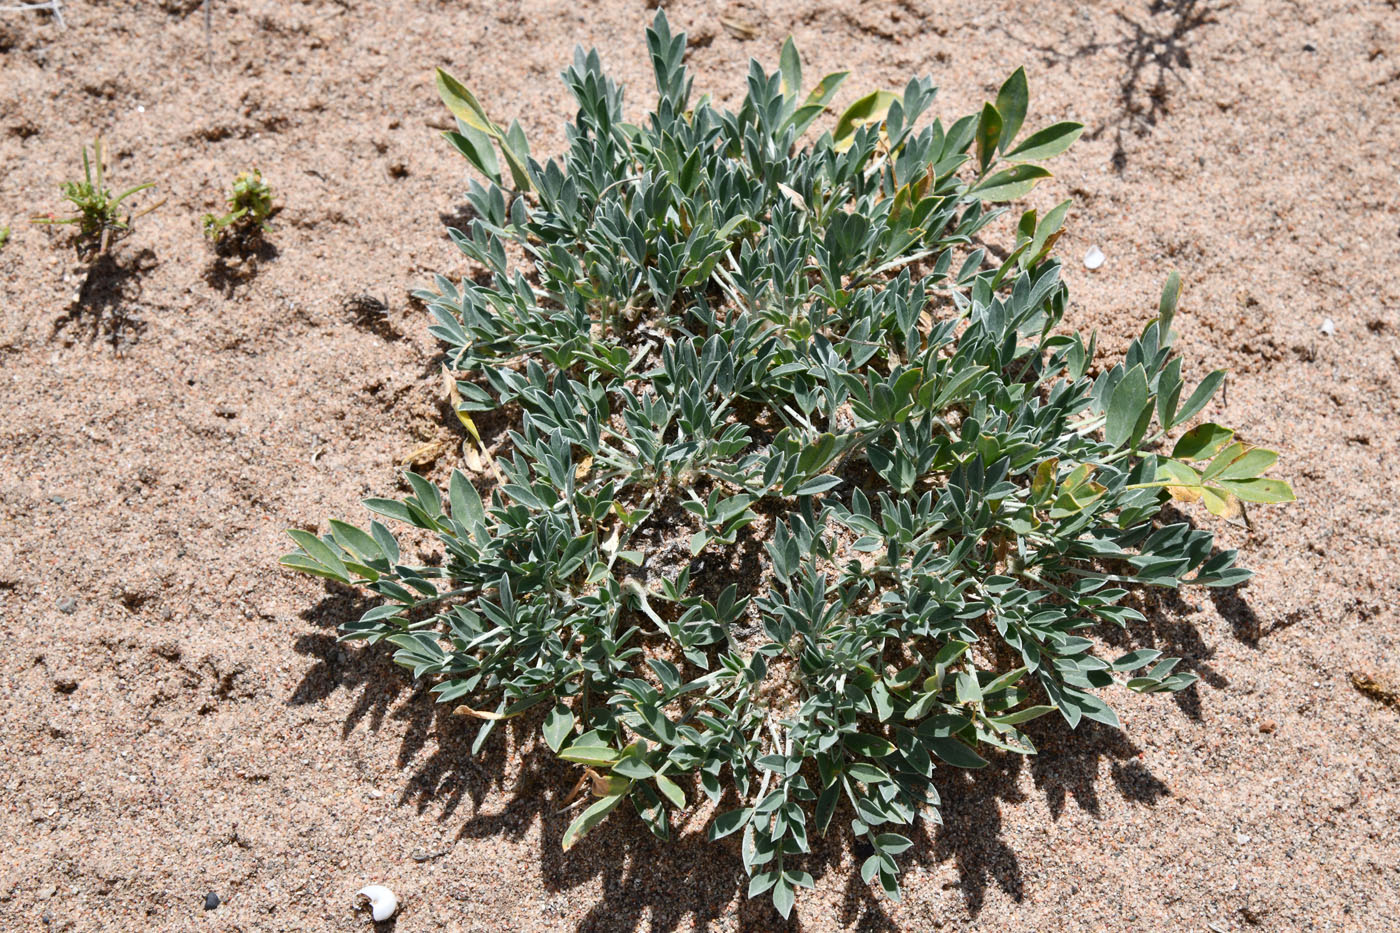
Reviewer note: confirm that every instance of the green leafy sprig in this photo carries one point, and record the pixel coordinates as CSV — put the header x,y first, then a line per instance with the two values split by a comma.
x,y
99,219
250,210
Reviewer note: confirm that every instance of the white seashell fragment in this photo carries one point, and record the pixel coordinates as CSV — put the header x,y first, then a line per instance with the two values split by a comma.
x,y
1328,328
1094,258
383,904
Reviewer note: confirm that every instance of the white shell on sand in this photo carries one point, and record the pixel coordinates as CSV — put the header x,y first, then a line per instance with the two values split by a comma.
x,y
383,903
1094,258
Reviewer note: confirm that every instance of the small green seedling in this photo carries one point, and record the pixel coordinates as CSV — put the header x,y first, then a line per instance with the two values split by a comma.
x,y
99,219
4,238
250,206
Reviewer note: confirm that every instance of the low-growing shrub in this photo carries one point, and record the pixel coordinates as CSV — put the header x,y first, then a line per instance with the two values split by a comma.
x,y
806,490
99,218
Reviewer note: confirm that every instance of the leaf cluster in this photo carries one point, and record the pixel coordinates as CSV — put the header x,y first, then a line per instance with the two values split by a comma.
x,y
250,206
733,332
99,217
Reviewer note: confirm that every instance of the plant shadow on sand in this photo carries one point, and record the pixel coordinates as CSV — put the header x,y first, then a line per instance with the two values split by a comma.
x,y
236,264
659,885
108,297
1151,50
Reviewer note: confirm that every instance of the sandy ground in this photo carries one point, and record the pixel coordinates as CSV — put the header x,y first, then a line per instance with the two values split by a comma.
x,y
176,717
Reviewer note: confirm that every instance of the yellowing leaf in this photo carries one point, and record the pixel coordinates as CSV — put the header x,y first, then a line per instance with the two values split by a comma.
x,y
425,454
1202,442
470,425
465,710
1184,493
1044,483
794,196
605,785
872,108
1219,502
1222,460
790,65
455,397
1177,472
468,109
464,105
739,28
816,102
1253,462
1078,477
471,459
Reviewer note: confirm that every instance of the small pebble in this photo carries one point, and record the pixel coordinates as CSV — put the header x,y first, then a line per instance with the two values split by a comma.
x,y
211,900
1328,328
1242,839
68,605
1267,726
1094,258
1309,47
